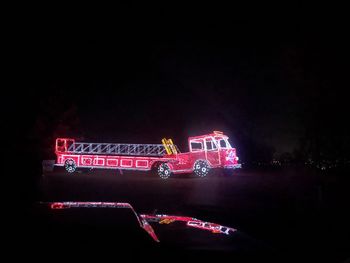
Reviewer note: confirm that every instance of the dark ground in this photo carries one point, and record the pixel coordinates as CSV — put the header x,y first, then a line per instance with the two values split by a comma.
x,y
299,213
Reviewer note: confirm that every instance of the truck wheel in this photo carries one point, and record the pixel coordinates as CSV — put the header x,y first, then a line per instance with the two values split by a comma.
x,y
70,165
164,171
201,168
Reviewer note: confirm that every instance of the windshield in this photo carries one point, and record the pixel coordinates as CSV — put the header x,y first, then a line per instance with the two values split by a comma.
x,y
224,144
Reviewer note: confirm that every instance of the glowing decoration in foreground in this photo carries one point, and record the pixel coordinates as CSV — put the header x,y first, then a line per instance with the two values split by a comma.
x,y
145,219
205,153
143,223
190,222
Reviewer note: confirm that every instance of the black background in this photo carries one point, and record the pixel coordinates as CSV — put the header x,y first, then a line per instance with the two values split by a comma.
x,y
274,80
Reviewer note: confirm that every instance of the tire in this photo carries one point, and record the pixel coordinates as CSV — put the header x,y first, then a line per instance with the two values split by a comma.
x,y
164,171
70,165
201,168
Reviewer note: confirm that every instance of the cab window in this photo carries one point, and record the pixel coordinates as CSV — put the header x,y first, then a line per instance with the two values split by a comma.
x,y
196,146
223,144
60,145
210,144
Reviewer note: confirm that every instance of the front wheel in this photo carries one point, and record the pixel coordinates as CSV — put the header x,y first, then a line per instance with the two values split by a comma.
x,y
164,171
201,168
70,165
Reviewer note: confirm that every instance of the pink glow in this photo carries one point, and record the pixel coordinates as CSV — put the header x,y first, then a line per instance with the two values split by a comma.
x,y
145,219
190,222
211,151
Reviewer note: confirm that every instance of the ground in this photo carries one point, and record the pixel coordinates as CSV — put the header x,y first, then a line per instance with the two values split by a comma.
x,y
300,213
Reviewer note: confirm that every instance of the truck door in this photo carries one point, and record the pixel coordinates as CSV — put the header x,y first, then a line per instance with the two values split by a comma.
x,y
212,152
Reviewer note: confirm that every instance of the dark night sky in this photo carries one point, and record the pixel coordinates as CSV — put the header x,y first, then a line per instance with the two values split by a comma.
x,y
274,83
142,77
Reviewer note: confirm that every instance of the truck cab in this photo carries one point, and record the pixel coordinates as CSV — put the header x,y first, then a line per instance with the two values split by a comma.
x,y
205,152
215,148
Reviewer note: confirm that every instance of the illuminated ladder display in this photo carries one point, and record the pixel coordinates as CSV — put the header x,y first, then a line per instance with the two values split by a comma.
x,y
169,146
118,149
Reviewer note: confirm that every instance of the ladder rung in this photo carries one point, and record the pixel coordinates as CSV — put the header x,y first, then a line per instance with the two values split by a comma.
x,y
118,149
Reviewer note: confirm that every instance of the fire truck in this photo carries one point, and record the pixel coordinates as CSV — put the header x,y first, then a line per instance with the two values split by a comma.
x,y
205,153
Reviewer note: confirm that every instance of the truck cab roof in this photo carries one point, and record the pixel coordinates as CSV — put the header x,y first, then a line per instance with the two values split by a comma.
x,y
213,134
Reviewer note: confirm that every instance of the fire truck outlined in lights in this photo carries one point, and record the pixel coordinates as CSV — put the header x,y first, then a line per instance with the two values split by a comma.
x,y
205,153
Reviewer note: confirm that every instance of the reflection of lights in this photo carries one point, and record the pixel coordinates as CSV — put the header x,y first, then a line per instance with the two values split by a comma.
x,y
65,205
191,222
145,219
57,206
143,223
214,228
166,221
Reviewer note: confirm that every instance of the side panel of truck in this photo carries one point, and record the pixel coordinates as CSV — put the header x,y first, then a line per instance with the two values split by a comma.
x,y
110,161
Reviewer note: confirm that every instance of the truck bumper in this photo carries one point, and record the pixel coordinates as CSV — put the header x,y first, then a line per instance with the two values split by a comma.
x,y
234,166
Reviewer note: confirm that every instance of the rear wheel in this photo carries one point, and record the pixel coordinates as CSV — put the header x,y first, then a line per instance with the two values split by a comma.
x,y
70,165
164,171
201,168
